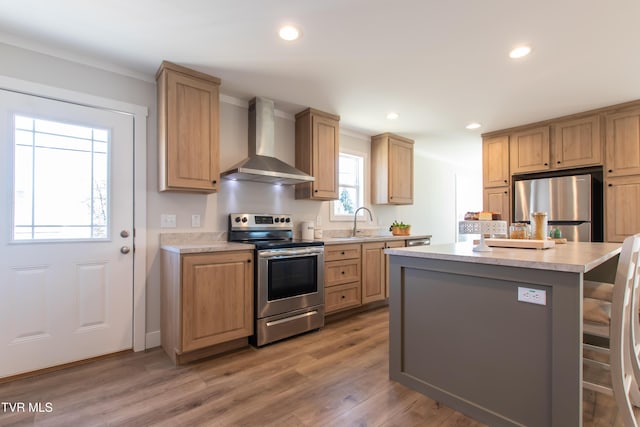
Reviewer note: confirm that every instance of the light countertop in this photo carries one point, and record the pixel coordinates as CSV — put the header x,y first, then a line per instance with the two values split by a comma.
x,y
571,257
366,239
216,246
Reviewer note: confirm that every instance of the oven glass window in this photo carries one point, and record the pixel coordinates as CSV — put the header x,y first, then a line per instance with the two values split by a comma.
x,y
289,277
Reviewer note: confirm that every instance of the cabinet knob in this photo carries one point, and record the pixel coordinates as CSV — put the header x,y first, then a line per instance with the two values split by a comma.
x,y
249,261
315,191
506,192
559,162
546,164
506,181
610,170
342,272
342,296
342,253
610,185
214,181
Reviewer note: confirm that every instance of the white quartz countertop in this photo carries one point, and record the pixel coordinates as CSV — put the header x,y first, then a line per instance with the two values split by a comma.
x,y
216,246
571,257
365,239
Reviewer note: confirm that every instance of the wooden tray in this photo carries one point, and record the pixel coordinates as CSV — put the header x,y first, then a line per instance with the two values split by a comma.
x,y
521,243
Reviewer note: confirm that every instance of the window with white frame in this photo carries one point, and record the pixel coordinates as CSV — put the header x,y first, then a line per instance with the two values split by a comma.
x,y
350,187
60,181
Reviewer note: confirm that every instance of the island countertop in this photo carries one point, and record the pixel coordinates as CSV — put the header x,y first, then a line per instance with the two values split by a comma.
x,y
578,257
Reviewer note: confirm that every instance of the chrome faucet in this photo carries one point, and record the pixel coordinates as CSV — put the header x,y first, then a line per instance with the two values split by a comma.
x,y
355,219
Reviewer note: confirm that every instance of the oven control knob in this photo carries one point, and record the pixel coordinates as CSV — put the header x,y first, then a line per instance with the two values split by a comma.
x,y
277,219
282,220
237,219
244,219
288,220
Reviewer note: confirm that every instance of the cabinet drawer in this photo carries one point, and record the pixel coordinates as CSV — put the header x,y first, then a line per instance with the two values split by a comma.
x,y
339,272
337,252
342,297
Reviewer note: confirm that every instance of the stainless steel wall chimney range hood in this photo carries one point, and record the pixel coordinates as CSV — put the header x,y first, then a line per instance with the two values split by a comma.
x,y
261,166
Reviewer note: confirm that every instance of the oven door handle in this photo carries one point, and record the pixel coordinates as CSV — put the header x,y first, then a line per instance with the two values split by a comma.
x,y
293,252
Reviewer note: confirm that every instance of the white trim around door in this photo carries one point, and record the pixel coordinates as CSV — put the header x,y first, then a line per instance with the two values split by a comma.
x,y
140,114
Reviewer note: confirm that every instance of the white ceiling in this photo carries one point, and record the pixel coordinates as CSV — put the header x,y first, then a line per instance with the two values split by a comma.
x,y
439,64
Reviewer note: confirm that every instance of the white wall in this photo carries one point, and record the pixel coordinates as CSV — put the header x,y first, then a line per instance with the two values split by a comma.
x,y
434,211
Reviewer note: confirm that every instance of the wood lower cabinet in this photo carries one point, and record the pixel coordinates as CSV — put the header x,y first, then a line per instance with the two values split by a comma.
x,y
206,301
343,289
392,169
317,153
373,272
188,130
342,284
622,205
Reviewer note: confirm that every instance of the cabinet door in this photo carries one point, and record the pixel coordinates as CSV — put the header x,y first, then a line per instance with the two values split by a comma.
x,y
217,298
623,143
529,150
497,200
622,206
341,297
577,143
400,172
373,272
391,244
344,271
189,140
495,161
326,151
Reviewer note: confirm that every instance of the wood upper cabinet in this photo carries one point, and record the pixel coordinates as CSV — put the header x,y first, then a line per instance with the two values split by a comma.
x,y
317,153
623,143
576,142
622,205
529,150
496,199
392,169
188,130
495,161
206,300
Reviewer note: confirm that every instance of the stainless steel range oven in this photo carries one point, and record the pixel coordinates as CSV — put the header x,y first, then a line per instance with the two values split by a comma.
x,y
289,276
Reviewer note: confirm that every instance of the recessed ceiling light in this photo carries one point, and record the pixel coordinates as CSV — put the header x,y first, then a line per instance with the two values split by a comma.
x,y
392,116
289,33
473,125
520,52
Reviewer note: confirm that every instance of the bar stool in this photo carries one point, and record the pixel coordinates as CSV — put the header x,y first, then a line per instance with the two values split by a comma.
x,y
607,314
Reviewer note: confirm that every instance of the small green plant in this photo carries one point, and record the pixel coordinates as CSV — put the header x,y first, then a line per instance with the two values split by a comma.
x,y
400,225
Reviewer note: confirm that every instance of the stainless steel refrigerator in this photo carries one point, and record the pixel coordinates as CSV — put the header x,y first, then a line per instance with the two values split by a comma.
x,y
568,201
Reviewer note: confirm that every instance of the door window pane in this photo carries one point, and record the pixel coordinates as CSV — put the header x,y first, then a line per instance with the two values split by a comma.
x,y
61,181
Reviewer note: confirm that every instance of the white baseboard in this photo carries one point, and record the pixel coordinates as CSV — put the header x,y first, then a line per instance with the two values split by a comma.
x,y
153,339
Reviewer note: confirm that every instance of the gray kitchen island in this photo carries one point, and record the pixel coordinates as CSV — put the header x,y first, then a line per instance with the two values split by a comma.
x,y
460,333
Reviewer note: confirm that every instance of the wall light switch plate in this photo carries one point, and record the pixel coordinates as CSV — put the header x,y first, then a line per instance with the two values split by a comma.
x,y
168,221
533,296
195,221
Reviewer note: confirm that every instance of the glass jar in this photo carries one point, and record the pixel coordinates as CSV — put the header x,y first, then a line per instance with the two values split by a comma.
x,y
519,230
539,225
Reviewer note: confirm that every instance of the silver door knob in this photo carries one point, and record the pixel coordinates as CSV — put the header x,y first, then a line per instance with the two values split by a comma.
x,y
124,233
125,249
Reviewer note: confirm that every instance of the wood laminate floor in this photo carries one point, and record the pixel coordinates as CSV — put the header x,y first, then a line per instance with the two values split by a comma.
x,y
337,376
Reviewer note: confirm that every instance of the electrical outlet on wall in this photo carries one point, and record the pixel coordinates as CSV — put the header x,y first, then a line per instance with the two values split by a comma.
x,y
318,221
168,221
195,220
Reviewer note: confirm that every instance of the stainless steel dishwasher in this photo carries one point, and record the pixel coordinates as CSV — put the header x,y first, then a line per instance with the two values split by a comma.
x,y
419,242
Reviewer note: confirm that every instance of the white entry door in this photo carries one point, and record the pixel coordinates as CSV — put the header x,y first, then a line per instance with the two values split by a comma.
x,y
66,236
